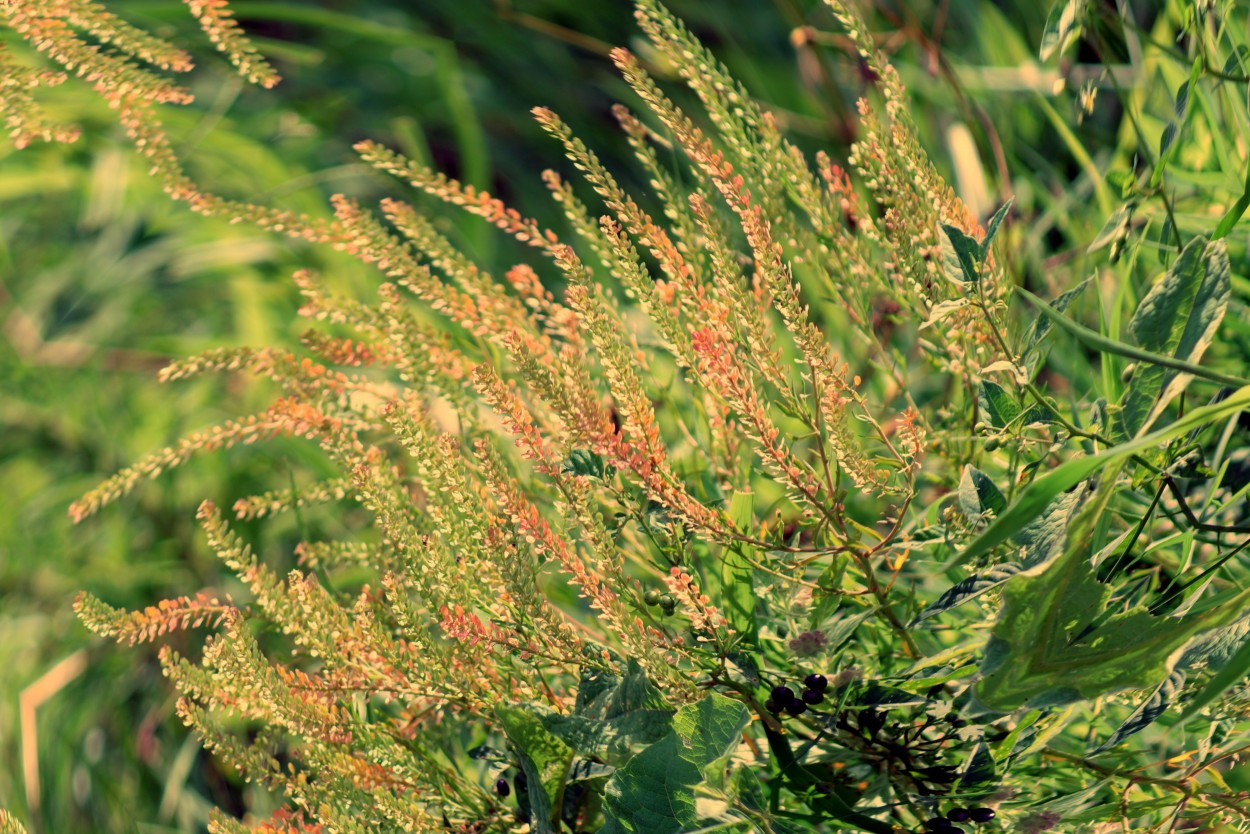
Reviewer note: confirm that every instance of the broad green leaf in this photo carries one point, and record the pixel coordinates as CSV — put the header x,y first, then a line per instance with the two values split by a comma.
x,y
1054,644
614,715
606,695
978,495
1177,318
960,254
1036,496
544,758
658,791
977,769
999,406
614,740
1042,539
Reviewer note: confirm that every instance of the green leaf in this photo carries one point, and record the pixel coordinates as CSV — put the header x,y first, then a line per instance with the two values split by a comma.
x,y
737,574
1041,326
960,254
1116,227
1055,643
1234,671
978,495
1105,345
992,229
1036,496
665,788
999,406
1235,212
1178,318
1167,142
544,758
587,464
1063,27
1146,713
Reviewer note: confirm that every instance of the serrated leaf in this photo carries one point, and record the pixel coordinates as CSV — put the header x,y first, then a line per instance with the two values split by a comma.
x,y
656,792
1055,642
1177,318
978,495
996,404
606,695
1063,27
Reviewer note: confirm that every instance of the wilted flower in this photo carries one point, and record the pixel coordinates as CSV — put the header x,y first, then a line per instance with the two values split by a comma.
x,y
809,643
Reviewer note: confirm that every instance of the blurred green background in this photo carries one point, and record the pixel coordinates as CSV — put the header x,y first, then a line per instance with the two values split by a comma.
x,y
102,279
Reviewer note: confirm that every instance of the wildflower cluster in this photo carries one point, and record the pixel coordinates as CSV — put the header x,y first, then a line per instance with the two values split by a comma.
x,y
608,525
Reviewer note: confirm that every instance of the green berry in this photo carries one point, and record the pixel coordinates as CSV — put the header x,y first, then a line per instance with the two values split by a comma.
x,y
992,444
651,597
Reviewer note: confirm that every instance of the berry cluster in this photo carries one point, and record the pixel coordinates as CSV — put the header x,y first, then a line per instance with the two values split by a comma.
x,y
946,824
667,603
783,699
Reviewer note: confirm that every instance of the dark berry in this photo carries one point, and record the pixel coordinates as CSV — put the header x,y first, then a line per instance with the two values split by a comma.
x,y
651,597
783,695
937,824
796,707
502,787
812,696
959,815
956,722
771,706
816,683
667,601
982,814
